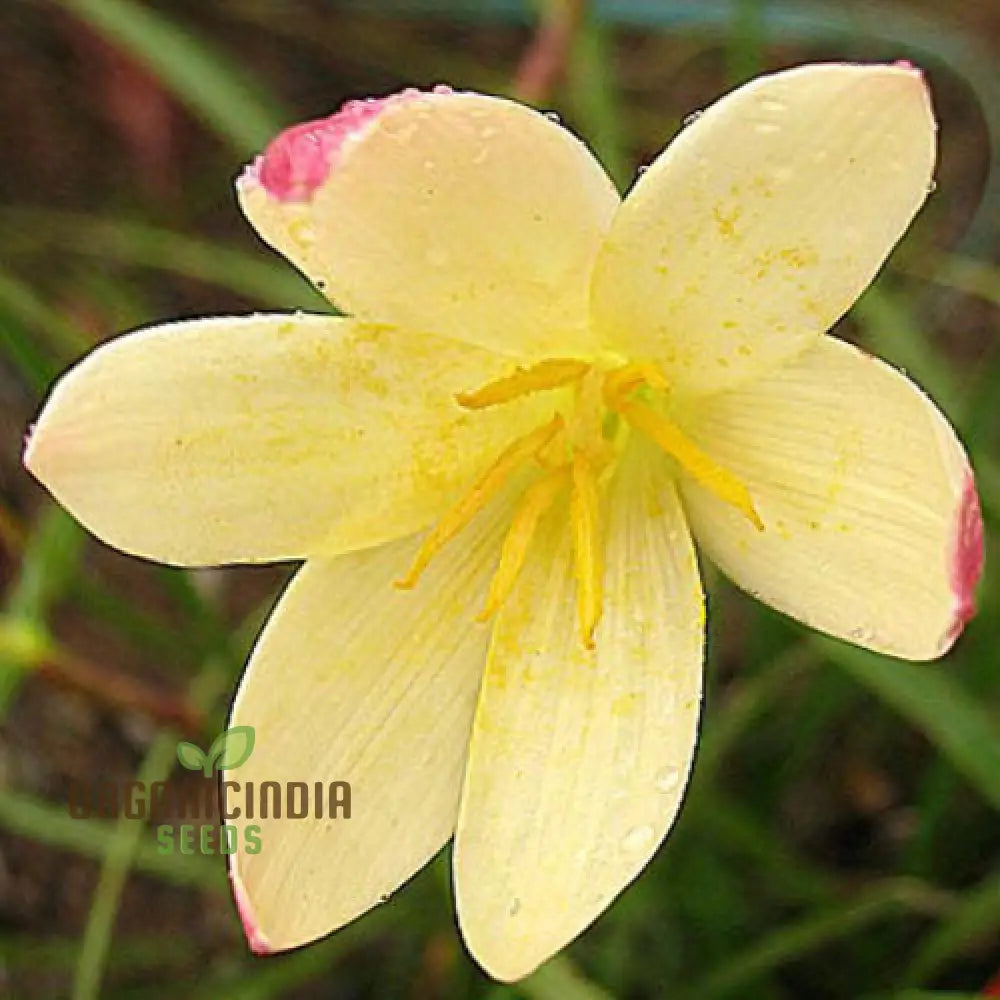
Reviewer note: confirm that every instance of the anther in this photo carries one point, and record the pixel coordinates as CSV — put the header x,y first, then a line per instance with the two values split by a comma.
x,y
549,374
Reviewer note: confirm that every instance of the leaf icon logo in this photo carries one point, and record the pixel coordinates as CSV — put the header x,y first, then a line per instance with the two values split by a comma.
x,y
192,757
229,750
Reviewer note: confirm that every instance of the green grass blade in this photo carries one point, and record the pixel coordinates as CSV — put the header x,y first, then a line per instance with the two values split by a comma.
x,y
936,704
594,98
558,979
728,723
48,566
202,77
44,823
36,338
19,347
281,974
794,940
978,278
976,917
260,277
124,843
745,42
895,334
740,833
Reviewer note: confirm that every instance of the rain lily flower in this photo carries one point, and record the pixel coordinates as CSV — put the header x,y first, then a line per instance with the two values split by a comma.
x,y
497,463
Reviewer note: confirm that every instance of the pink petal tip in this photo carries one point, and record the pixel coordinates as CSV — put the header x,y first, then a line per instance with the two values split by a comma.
x,y
258,944
298,160
909,67
966,557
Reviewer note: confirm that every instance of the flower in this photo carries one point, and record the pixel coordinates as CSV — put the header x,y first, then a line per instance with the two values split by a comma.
x,y
566,389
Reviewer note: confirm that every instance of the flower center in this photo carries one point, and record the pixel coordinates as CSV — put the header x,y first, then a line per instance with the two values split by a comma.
x,y
574,452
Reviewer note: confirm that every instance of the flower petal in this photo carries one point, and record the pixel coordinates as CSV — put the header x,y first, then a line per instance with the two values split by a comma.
x,y
266,437
466,215
872,529
763,221
579,758
354,680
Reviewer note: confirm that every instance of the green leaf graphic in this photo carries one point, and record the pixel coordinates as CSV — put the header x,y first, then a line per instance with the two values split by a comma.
x,y
190,756
230,749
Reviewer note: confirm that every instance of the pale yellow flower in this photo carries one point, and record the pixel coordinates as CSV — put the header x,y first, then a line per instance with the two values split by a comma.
x,y
570,388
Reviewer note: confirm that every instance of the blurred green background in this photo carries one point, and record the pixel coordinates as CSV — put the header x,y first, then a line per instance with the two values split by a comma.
x,y
840,839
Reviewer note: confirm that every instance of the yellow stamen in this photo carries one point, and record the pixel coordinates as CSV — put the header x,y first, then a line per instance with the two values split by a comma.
x,y
584,427
549,374
620,382
674,442
554,454
535,502
510,461
587,551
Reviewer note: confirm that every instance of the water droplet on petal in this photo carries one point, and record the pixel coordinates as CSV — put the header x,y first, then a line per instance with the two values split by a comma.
x,y
400,127
667,701
302,233
638,837
932,187
667,778
642,169
692,118
552,116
